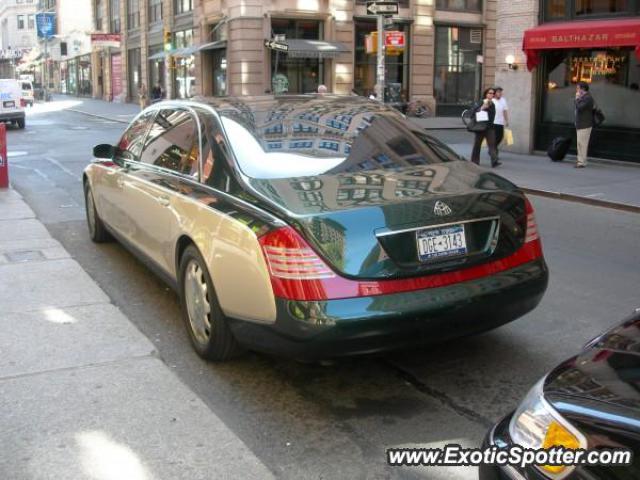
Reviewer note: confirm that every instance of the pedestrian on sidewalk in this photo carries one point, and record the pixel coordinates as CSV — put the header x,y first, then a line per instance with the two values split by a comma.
x,y
584,122
502,117
487,107
156,93
142,95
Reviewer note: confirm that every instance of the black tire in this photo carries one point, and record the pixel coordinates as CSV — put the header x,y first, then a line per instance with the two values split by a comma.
x,y
212,341
21,123
97,231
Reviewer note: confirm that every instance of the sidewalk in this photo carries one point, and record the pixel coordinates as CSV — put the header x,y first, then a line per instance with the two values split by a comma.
x,y
609,184
83,394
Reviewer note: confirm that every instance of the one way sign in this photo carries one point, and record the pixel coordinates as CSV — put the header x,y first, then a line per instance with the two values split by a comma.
x,y
382,8
273,45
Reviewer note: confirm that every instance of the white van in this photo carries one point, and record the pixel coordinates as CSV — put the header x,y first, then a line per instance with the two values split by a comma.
x,y
11,109
27,92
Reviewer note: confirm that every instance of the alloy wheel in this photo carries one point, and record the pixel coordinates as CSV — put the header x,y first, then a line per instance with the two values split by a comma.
x,y
196,297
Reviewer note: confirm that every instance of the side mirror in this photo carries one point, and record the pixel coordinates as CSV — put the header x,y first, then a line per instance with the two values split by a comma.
x,y
104,150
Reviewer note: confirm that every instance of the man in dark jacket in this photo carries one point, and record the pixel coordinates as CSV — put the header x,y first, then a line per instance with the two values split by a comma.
x,y
584,122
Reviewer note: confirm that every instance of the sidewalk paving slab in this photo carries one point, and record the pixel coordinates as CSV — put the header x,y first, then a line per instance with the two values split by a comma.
x,y
130,420
82,392
46,284
67,337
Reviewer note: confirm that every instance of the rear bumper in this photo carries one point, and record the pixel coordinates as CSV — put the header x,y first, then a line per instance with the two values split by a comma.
x,y
363,325
7,116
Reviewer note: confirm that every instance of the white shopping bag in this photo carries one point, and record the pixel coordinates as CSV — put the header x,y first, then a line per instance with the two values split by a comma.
x,y
482,116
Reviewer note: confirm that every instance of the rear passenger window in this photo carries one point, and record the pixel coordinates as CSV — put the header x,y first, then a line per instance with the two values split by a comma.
x,y
130,144
173,142
214,153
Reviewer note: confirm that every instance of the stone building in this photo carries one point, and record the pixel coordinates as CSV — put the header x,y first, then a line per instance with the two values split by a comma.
x,y
17,34
565,42
217,47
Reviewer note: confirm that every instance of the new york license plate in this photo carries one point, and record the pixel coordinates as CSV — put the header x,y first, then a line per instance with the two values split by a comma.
x,y
441,242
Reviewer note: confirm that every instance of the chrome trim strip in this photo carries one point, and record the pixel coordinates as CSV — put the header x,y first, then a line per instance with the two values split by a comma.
x,y
404,230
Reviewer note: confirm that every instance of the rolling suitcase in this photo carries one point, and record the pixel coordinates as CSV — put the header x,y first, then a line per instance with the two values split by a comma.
x,y
558,148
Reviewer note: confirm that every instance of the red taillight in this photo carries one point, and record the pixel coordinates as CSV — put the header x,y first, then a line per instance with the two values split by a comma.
x,y
532,228
23,102
298,273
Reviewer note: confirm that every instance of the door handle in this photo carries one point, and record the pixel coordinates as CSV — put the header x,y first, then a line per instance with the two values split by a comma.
x,y
164,200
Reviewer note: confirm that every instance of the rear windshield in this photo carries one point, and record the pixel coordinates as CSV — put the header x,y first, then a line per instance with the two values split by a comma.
x,y
304,143
26,86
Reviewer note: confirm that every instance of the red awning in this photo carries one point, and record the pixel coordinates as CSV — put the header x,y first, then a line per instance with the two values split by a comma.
x,y
581,34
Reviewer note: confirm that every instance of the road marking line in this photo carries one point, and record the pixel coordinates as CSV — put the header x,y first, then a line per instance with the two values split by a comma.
x,y
63,168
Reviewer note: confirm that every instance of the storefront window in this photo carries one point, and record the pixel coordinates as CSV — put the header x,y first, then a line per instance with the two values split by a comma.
x,y
84,76
156,69
594,7
135,72
296,75
556,9
72,77
63,77
461,5
561,9
185,72
614,79
396,65
220,72
458,75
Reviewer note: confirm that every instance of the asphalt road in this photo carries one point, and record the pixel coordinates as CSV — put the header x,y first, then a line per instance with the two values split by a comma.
x,y
311,421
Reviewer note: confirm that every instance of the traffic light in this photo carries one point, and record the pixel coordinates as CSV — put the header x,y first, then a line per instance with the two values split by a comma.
x,y
167,40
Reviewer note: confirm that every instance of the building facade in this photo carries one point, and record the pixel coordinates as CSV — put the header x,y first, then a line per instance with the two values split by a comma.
x,y
565,42
17,34
217,47
65,60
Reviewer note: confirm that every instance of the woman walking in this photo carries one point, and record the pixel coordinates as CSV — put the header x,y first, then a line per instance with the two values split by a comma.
x,y
485,111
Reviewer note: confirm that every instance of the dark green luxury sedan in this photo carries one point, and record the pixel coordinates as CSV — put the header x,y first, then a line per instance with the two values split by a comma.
x,y
315,226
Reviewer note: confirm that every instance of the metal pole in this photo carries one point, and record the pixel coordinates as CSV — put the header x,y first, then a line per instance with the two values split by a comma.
x,y
380,70
46,73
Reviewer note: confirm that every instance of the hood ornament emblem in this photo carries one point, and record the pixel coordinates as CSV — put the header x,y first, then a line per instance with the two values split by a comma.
x,y
441,209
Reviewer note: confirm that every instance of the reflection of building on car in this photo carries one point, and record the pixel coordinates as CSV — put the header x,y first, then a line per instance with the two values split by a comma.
x,y
353,230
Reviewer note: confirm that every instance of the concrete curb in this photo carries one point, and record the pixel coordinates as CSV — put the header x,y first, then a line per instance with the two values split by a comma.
x,y
625,207
98,116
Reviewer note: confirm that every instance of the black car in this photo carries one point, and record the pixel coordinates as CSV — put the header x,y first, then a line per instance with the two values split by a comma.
x,y
315,226
591,402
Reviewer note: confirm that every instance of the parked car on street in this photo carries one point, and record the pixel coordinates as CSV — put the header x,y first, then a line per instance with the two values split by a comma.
x,y
11,107
590,401
315,226
28,95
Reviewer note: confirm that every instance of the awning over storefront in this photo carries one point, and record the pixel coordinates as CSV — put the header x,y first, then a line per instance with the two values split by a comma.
x,y
193,49
581,34
159,55
299,48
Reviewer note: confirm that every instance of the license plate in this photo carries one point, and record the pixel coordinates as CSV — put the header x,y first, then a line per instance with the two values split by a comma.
x,y
441,242
10,104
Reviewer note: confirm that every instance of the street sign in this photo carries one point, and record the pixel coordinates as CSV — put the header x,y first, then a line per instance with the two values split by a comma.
x,y
394,39
46,24
382,8
281,47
